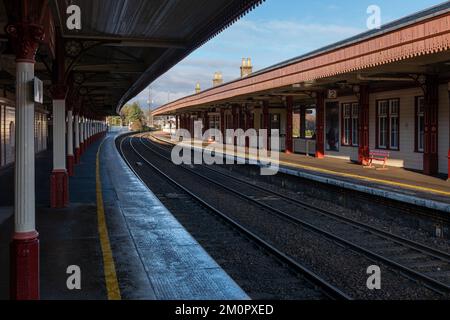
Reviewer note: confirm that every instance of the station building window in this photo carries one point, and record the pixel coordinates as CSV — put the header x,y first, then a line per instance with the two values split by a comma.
x,y
214,123
388,124
350,124
8,135
420,124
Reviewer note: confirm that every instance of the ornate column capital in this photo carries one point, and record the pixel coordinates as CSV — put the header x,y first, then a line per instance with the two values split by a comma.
x,y
25,39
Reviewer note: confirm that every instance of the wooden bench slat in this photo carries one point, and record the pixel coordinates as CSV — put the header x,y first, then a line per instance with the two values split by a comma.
x,y
378,155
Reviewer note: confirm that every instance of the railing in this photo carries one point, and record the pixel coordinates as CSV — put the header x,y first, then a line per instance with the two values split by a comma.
x,y
305,146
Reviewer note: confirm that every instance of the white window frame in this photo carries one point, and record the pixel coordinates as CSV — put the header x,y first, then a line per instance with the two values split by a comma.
x,y
385,117
347,116
355,124
394,114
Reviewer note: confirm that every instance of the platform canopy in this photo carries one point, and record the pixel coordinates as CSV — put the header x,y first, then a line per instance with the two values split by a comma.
x,y
122,46
396,56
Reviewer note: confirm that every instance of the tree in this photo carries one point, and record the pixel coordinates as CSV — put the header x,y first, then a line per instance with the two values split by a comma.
x,y
132,114
114,121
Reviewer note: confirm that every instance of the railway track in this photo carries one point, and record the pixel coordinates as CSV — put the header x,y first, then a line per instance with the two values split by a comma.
x,y
419,262
312,285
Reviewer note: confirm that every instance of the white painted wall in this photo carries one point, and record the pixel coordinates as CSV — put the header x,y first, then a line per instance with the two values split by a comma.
x,y
406,156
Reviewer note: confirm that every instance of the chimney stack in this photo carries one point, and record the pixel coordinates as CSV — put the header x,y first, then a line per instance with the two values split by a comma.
x,y
246,67
218,79
197,88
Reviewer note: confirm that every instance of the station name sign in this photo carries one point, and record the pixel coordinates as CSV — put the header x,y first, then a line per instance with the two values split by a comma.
x,y
38,90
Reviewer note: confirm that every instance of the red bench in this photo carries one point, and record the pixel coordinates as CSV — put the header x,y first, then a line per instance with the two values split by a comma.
x,y
378,155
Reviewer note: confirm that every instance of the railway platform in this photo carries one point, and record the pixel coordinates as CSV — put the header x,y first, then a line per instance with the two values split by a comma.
x,y
126,244
394,183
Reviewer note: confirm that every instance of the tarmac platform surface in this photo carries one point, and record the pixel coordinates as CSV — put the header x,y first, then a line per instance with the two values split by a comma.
x,y
126,243
394,183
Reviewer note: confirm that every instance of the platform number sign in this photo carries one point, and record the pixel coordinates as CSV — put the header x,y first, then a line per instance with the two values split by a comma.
x,y
38,90
332,94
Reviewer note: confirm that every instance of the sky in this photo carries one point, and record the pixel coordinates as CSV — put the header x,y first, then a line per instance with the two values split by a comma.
x,y
276,31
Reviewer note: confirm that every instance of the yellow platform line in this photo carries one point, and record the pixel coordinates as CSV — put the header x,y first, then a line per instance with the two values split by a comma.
x,y
354,176
112,285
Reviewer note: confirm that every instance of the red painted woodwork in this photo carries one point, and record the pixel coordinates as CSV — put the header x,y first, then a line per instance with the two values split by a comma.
x,y
205,119
249,124
364,148
25,39
70,165
59,91
235,114
266,125
222,123
289,124
448,157
419,38
242,123
24,266
59,193
302,122
320,125
430,156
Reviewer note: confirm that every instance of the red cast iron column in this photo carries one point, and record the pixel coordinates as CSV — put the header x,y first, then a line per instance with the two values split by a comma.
x,y
77,133
363,150
266,122
449,132
70,139
24,251
320,125
222,124
249,123
430,156
289,124
235,116
59,181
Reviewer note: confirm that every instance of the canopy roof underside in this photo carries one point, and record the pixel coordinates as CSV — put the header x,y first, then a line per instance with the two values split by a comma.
x,y
123,45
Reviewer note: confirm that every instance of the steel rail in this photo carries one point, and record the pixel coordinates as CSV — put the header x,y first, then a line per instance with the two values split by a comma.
x,y
431,283
327,288
381,233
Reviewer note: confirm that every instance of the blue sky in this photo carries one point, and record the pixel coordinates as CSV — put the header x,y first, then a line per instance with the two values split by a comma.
x,y
276,31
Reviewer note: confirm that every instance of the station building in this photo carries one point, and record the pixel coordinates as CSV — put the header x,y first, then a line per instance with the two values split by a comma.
x,y
8,131
385,90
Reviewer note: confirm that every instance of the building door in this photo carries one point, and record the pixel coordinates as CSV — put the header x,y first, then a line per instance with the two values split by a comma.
x,y
332,126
